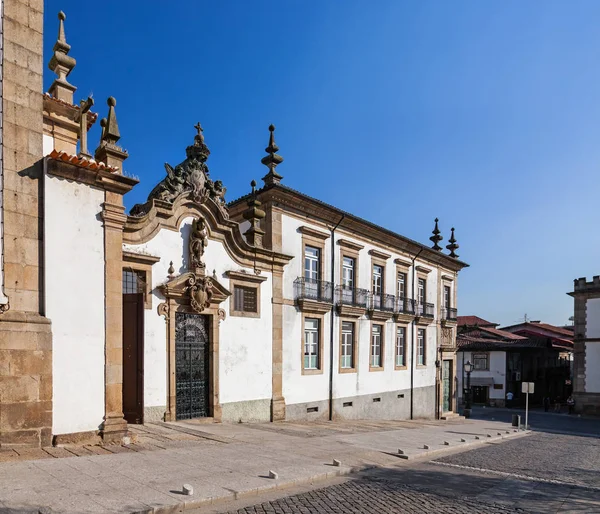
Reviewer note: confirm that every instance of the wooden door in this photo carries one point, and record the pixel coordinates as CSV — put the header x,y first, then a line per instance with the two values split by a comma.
x,y
133,357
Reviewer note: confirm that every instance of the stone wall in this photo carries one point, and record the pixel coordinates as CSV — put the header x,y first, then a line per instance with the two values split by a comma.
x,y
25,336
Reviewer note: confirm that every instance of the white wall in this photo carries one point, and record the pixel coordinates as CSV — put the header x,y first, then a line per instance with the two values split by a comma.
x,y
245,349
592,365
298,388
497,372
74,274
592,327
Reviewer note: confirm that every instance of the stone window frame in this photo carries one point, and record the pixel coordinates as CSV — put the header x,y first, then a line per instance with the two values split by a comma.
x,y
241,279
351,250
379,259
315,239
402,267
321,318
424,365
382,347
405,327
480,356
141,263
355,323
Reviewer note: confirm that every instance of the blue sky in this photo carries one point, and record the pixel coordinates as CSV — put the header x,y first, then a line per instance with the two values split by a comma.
x,y
484,114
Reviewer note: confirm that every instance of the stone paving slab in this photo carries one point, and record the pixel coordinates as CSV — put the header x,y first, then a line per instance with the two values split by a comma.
x,y
227,462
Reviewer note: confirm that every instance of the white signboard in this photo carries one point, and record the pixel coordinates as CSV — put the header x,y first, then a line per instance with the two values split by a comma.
x,y
527,387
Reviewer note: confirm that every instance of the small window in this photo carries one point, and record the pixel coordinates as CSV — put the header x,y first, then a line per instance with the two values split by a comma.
x,y
447,304
245,299
401,285
401,347
377,279
376,346
421,347
134,281
347,357
348,273
311,343
312,257
480,361
422,291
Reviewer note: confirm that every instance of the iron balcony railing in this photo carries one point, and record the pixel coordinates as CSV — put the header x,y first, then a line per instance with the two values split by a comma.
x,y
351,296
424,309
448,313
310,289
382,302
405,305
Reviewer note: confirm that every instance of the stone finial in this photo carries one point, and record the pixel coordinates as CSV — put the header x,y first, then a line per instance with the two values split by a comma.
x,y
171,270
452,246
108,151
62,64
436,237
254,235
272,160
84,107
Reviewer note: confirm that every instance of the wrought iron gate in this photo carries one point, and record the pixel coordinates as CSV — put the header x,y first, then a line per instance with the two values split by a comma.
x,y
191,365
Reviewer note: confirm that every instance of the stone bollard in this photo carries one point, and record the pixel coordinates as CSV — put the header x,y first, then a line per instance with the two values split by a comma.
x,y
400,452
426,447
188,490
446,443
476,437
463,440
273,475
337,463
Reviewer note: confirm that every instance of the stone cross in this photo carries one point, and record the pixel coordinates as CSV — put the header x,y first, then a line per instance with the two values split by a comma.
x,y
84,106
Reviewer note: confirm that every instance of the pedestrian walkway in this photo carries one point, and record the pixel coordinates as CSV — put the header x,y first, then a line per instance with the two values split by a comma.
x,y
222,461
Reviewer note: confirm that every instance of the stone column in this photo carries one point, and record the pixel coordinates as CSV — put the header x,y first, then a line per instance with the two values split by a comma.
x,y
114,427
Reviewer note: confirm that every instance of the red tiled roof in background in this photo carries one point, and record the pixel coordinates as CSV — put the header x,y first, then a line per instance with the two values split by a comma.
x,y
81,162
537,328
471,321
502,333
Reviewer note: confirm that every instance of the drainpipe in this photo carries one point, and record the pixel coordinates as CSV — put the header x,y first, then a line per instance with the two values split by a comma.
x,y
331,319
414,337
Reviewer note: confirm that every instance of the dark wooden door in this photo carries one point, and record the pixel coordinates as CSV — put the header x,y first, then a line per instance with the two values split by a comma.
x,y
191,366
447,386
480,394
133,357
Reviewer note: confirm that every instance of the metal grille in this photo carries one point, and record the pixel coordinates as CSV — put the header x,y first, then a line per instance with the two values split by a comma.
x,y
191,365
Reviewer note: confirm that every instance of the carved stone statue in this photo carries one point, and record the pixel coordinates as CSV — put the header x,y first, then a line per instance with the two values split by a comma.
x,y
200,291
198,241
190,176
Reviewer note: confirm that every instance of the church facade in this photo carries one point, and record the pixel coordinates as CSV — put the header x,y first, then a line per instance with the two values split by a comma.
x,y
275,306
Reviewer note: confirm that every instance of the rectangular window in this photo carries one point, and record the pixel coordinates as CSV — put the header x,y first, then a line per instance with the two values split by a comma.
x,y
347,345
377,279
311,343
312,256
376,346
447,297
480,361
245,299
422,293
133,281
348,273
401,285
401,346
421,347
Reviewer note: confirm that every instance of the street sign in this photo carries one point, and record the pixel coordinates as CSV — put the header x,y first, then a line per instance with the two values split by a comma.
x,y
527,387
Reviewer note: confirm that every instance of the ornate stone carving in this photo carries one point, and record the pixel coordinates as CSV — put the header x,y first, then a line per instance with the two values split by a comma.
x,y
198,241
200,292
163,310
222,315
190,176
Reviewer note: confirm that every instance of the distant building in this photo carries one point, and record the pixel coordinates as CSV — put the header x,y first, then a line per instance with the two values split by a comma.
x,y
586,357
503,359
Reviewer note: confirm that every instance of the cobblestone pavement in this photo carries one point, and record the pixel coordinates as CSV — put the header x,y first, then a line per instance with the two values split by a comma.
x,y
372,496
566,459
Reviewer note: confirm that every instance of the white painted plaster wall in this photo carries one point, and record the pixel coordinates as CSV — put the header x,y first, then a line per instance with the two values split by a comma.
x,y
298,388
592,327
47,144
245,348
74,274
592,365
497,372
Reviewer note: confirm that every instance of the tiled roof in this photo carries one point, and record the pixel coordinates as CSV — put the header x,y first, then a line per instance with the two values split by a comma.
x,y
91,116
81,162
470,342
474,320
502,333
543,326
345,214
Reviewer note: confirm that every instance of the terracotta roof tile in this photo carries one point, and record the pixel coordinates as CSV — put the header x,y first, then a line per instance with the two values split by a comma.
x,y
474,320
91,116
81,162
531,327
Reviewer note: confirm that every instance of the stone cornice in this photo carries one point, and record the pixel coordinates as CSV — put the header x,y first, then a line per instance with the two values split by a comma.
x,y
113,215
379,255
294,201
317,234
423,269
139,258
245,277
100,178
164,215
345,243
402,262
